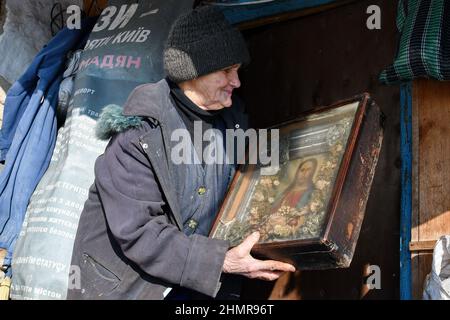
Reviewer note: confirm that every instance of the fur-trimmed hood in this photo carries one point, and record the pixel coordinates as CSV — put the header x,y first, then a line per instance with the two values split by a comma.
x,y
113,121
144,102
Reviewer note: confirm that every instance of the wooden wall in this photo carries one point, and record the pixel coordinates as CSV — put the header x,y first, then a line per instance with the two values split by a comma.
x,y
431,174
317,60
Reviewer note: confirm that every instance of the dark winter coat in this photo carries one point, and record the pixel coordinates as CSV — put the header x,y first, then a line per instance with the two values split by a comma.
x,y
129,243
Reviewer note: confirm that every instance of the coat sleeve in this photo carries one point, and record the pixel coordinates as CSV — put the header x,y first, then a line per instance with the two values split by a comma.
x,y
134,208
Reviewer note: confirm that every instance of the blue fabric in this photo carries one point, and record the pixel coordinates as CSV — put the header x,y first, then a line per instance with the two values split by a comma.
x,y
29,130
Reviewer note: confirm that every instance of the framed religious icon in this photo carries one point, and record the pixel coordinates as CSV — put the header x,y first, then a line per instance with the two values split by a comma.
x,y
310,207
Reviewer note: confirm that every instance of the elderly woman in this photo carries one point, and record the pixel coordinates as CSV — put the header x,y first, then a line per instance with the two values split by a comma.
x,y
144,227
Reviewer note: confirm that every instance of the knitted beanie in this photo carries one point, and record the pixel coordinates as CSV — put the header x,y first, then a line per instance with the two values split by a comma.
x,y
201,42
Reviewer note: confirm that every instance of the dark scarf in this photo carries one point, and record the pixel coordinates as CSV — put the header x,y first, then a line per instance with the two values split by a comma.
x,y
190,112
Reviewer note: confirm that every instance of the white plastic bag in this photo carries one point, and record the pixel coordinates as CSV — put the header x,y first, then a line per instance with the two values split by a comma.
x,y
437,283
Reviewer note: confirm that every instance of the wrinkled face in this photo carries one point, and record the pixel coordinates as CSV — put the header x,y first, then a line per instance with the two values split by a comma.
x,y
213,91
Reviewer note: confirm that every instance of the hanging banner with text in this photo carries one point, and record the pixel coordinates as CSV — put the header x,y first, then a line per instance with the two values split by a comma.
x,y
124,50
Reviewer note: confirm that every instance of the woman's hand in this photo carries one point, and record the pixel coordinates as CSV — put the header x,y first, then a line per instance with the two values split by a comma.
x,y
239,261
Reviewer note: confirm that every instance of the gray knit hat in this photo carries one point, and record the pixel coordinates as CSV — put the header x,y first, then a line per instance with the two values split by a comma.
x,y
200,42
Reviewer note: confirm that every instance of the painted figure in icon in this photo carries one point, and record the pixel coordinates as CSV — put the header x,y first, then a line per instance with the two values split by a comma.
x,y
288,211
297,194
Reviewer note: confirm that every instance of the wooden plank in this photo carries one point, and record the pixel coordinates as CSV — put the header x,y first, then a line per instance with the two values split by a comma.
x,y
422,245
423,262
415,163
434,158
415,256
415,269
431,100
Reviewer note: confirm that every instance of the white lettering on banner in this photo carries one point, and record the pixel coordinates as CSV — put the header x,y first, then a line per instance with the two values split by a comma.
x,y
71,187
83,91
138,35
97,43
45,201
91,44
37,219
93,113
61,233
124,16
58,211
126,12
41,262
105,19
64,185
37,230
47,293
111,61
143,36
63,223
118,37
128,36
72,204
22,288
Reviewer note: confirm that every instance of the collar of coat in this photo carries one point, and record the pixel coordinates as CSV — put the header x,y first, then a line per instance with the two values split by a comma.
x,y
144,102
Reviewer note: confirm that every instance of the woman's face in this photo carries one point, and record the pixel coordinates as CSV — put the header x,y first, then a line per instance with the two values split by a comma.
x,y
213,91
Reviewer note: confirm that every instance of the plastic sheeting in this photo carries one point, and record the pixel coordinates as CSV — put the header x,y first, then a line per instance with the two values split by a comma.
x,y
437,283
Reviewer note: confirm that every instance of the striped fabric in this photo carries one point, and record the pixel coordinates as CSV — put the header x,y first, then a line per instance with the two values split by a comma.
x,y
424,49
